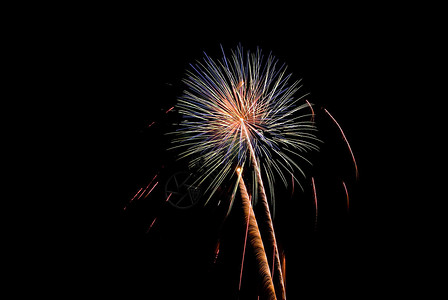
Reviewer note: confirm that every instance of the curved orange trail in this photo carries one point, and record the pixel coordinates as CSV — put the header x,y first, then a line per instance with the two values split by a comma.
x,y
346,141
346,193
312,111
315,202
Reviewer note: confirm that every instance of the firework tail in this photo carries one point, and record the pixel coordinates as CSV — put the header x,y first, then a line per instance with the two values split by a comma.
x,y
315,203
346,141
346,194
278,279
255,241
244,249
283,268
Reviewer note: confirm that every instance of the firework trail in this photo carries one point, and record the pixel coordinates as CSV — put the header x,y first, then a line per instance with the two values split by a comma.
x,y
312,111
152,224
255,241
267,215
315,203
346,141
346,194
244,104
244,248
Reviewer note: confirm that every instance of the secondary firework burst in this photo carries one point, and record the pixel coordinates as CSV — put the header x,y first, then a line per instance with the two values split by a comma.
x,y
240,107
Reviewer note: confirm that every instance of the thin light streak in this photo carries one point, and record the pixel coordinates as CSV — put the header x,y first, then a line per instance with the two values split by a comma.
x,y
151,190
147,187
244,250
216,252
152,224
346,194
315,203
312,111
346,141
136,194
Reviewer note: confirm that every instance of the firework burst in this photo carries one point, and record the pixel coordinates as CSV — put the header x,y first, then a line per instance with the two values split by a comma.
x,y
245,108
243,104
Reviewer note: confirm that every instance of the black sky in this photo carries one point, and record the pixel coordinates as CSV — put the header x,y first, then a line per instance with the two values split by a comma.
x,y
132,66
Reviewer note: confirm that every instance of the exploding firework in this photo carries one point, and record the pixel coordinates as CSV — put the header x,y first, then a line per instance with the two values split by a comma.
x,y
243,106
242,114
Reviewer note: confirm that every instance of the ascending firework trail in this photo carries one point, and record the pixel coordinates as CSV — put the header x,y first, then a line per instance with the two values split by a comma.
x,y
244,106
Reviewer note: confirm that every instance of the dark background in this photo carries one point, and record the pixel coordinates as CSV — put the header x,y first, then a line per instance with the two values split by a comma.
x,y
127,71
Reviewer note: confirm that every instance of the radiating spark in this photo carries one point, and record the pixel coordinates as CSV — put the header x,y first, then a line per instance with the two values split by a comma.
x,y
346,141
315,203
153,122
169,110
346,193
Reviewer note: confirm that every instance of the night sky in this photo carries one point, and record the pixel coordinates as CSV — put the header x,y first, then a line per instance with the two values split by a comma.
x,y
132,68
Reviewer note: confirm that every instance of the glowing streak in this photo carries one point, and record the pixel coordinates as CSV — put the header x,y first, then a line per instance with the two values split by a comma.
x,y
292,182
152,224
254,238
169,110
151,190
315,203
312,111
136,194
244,250
147,187
276,259
216,252
284,268
346,193
346,141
